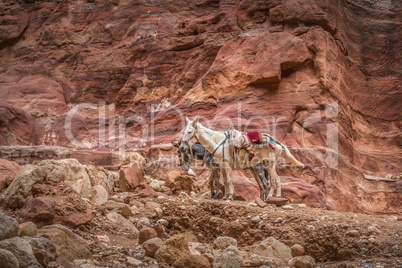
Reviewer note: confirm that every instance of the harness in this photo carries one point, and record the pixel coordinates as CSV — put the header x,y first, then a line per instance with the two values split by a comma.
x,y
227,136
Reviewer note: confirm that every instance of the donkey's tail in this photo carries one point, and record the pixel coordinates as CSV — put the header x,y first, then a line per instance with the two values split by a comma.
x,y
289,155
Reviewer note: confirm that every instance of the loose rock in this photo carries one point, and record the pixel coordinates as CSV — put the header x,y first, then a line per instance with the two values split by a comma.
x,y
28,228
152,245
271,247
297,250
228,259
7,259
146,234
67,243
302,262
43,249
9,227
155,185
192,261
98,195
174,248
21,249
122,223
143,222
120,208
223,242
260,203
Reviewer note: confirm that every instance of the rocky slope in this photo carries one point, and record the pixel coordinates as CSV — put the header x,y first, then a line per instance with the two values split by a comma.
x,y
60,213
322,76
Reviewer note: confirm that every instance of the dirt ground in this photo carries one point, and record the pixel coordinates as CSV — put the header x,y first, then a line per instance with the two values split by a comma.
x,y
333,239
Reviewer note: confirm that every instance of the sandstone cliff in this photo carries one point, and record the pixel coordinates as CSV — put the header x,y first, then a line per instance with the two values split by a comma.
x,y
322,76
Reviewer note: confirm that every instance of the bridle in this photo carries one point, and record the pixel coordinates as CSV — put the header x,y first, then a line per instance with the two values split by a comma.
x,y
188,145
194,135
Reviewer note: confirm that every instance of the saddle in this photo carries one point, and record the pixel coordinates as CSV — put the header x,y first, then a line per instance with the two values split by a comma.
x,y
254,136
250,141
245,140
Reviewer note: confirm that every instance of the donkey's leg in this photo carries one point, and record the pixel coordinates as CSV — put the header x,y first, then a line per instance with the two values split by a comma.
x,y
277,154
211,183
276,181
272,179
254,171
265,179
215,174
227,177
225,184
216,179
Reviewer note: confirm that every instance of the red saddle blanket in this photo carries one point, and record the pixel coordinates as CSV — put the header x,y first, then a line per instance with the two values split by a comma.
x,y
254,136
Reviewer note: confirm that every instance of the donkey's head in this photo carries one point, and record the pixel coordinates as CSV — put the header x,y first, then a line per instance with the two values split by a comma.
x,y
190,131
183,153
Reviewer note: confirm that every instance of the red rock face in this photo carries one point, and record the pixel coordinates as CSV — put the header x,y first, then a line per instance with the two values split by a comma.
x,y
16,126
13,20
321,76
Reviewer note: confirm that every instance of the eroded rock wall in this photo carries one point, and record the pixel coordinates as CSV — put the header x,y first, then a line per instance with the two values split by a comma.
x,y
322,76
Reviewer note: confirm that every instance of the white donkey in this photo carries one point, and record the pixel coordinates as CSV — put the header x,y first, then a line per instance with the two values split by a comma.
x,y
216,142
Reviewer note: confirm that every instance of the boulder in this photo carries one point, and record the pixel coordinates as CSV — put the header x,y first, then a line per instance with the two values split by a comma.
x,y
171,176
118,207
302,262
143,190
100,176
132,157
8,260
64,262
271,247
39,210
98,195
67,243
183,183
9,227
279,201
43,249
122,223
260,203
173,249
51,172
8,170
21,249
297,250
28,228
146,234
131,176
192,261
228,259
223,242
78,218
143,222
155,185
252,260
159,229
133,262
152,245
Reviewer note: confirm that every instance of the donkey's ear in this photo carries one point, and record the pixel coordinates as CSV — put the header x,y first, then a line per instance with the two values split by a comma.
x,y
175,144
188,121
195,121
